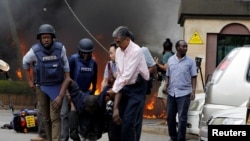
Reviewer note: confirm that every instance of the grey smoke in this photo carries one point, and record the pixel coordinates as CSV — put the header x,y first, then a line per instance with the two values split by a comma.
x,y
152,21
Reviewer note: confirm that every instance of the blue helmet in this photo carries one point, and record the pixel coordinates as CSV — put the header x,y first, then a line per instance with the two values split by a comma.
x,y
86,45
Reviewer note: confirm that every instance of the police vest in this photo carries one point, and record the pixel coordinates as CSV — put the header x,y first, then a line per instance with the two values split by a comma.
x,y
49,66
83,72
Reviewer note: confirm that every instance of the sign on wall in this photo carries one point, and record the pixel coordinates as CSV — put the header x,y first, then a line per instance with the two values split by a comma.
x,y
195,39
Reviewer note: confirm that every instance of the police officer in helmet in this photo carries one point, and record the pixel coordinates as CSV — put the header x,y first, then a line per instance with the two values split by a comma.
x,y
83,70
85,49
50,65
46,35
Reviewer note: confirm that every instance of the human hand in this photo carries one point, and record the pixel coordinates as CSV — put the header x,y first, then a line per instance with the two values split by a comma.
x,y
192,96
107,98
165,89
156,60
56,104
111,93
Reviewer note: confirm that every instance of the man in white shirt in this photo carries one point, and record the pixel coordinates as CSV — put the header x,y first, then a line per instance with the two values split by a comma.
x,y
129,86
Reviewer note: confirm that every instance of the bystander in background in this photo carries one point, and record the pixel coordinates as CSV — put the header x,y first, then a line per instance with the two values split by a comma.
x,y
161,73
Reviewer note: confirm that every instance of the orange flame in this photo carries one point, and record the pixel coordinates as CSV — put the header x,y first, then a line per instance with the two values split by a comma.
x,y
19,74
150,110
150,105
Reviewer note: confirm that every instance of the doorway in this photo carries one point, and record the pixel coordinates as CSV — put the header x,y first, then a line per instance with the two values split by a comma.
x,y
220,44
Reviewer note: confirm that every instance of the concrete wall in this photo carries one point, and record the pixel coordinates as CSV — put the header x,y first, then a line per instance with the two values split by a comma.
x,y
19,101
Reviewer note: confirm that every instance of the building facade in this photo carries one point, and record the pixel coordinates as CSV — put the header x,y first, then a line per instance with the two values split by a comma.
x,y
212,29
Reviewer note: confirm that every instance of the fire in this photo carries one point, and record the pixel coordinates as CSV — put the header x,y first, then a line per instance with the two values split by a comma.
x,y
97,92
22,47
149,108
152,109
19,74
150,105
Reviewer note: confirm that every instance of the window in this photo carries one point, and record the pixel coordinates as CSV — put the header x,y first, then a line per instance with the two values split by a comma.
x,y
225,43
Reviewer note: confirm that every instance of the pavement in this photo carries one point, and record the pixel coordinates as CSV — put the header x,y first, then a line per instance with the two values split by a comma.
x,y
151,130
152,126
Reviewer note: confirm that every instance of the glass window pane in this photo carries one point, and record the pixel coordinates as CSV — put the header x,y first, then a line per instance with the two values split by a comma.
x,y
225,43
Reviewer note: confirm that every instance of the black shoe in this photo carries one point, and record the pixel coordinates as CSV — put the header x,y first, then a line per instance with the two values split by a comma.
x,y
74,135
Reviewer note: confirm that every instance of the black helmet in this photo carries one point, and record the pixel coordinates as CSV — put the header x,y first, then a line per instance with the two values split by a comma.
x,y
46,28
85,45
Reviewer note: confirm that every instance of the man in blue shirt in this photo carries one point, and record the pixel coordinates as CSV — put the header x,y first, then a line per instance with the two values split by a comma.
x,y
181,77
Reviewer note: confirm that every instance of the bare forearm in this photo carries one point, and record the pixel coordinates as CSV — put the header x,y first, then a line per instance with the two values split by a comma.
x,y
152,69
29,78
162,67
194,81
67,81
117,100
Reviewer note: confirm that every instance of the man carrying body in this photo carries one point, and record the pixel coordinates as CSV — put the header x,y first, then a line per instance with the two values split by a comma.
x,y
129,86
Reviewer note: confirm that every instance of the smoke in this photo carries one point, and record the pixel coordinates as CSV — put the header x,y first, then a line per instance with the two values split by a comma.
x,y
150,21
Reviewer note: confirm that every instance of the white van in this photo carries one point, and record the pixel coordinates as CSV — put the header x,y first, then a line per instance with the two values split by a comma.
x,y
229,86
230,83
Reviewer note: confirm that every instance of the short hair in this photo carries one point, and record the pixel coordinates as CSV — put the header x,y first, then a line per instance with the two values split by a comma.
x,y
121,31
113,44
178,43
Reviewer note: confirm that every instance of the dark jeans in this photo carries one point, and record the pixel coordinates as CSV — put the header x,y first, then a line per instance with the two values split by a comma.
x,y
131,111
138,125
180,106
